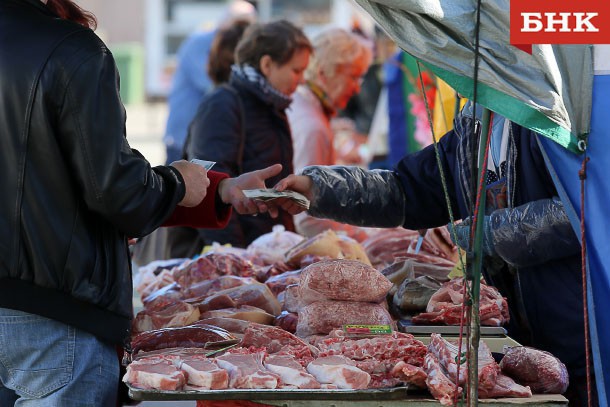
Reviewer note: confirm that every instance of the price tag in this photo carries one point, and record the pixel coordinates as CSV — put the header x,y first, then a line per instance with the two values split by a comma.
x,y
367,330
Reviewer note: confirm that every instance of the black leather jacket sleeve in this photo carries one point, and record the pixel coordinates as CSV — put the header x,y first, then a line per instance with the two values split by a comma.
x,y
116,181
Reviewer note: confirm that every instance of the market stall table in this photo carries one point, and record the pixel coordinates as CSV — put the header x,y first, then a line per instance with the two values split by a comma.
x,y
393,397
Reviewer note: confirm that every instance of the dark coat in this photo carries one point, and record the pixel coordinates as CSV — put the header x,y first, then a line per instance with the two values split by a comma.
x,y
72,188
216,134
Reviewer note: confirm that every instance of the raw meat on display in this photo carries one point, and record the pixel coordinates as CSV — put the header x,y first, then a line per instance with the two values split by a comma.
x,y
157,374
174,315
270,247
210,266
287,321
344,280
204,373
278,283
323,316
246,371
410,374
439,384
340,371
397,346
197,336
441,367
272,338
539,370
245,313
291,301
291,372
505,387
445,306
234,326
207,287
447,354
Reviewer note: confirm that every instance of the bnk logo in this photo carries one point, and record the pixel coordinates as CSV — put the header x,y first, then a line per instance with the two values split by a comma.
x,y
559,22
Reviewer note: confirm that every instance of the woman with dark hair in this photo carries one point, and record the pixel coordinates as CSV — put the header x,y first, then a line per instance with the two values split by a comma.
x,y
222,51
243,126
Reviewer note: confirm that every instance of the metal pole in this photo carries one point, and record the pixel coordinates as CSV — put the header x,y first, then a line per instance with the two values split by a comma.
x,y
474,266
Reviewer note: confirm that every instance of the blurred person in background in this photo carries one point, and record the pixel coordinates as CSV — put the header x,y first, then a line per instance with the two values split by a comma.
x,y
74,191
222,51
183,241
242,125
191,81
333,77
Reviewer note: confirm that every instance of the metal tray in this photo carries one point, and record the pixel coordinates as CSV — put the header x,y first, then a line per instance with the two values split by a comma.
x,y
450,330
394,393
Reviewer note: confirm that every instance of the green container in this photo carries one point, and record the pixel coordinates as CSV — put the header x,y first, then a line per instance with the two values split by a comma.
x,y
129,58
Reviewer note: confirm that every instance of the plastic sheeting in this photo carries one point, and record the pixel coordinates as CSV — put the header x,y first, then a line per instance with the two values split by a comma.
x,y
531,90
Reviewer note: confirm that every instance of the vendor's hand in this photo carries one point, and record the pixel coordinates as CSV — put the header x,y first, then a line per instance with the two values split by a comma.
x,y
195,180
298,183
461,233
230,191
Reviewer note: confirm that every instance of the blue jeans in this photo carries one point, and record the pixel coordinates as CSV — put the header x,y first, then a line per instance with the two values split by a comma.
x,y
45,363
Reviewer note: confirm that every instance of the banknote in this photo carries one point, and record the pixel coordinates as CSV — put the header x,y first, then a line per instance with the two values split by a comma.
x,y
270,194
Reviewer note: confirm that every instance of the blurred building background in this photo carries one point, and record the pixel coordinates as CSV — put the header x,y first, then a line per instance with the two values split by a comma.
x,y
144,36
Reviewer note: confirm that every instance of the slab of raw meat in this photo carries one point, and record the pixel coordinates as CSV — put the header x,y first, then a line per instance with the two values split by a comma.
x,y
290,372
447,354
340,371
204,373
344,280
235,326
445,306
157,374
246,371
270,337
539,370
395,346
505,387
410,374
197,336
440,385
174,315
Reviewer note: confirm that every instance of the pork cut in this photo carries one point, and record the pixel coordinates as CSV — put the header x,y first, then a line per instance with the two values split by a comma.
x,y
157,374
246,371
290,372
204,373
340,371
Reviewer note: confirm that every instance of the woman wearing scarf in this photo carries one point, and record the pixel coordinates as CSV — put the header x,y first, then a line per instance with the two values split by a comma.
x,y
333,76
243,126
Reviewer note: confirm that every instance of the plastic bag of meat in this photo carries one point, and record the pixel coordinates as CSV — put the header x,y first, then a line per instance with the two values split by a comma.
x,y
344,280
269,248
327,245
323,316
539,370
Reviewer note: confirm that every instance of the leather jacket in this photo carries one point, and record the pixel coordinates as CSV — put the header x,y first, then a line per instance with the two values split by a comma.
x,y
72,187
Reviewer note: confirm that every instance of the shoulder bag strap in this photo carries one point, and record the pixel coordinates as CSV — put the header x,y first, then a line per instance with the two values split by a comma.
x,y
242,139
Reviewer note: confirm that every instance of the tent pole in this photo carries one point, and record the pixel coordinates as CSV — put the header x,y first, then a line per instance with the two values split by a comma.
x,y
474,267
